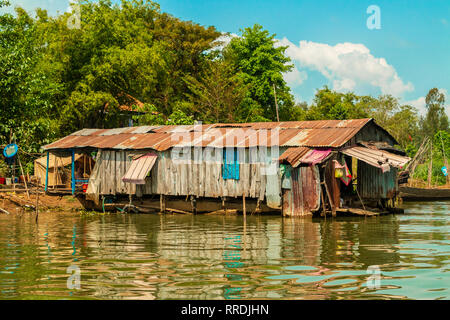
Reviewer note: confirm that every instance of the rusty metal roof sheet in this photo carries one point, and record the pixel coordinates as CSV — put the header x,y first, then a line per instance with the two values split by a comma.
x,y
293,155
298,155
376,158
322,133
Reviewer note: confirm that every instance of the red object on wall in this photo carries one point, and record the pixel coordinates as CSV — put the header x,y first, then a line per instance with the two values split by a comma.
x,y
85,186
2,180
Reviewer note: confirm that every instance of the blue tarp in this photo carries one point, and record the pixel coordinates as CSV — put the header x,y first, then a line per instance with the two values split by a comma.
x,y
230,168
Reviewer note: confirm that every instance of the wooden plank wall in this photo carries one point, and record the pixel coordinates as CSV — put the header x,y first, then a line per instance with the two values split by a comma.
x,y
106,177
179,178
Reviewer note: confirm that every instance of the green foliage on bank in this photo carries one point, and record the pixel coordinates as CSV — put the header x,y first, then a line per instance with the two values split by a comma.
x,y
57,78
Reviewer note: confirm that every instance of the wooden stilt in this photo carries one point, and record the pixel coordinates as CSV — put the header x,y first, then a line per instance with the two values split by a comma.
x,y
258,206
243,205
324,212
37,203
333,209
194,204
223,205
73,172
46,172
162,203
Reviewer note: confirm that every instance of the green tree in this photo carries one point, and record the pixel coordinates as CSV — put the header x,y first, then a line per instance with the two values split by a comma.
x,y
436,119
26,105
329,104
217,95
262,65
131,49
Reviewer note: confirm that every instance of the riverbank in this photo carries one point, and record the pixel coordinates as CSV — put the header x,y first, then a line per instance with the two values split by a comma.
x,y
18,202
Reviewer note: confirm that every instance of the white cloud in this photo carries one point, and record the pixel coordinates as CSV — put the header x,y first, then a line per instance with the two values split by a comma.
x,y
52,6
420,103
224,40
295,77
348,66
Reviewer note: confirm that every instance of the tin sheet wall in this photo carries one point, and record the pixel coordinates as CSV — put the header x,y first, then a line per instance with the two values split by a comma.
x,y
304,195
374,184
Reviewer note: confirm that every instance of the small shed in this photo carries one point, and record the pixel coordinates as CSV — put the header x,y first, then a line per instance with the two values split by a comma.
x,y
59,169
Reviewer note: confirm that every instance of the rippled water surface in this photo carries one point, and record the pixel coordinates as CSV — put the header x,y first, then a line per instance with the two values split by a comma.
x,y
215,257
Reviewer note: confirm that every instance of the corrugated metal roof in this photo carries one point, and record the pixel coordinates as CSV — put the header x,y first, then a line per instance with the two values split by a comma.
x,y
298,155
322,133
294,155
376,158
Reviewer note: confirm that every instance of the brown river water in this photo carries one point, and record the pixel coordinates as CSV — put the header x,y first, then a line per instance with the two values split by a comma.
x,y
120,256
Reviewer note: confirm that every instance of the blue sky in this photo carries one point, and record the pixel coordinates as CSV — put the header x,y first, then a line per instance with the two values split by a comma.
x,y
330,43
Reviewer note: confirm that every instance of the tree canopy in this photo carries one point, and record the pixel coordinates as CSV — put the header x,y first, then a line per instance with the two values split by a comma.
x,y
57,78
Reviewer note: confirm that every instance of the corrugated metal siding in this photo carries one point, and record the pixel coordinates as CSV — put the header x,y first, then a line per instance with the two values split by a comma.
x,y
304,196
373,184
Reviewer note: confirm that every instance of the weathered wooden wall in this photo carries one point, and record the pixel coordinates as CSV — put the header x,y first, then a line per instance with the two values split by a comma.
x,y
177,177
333,184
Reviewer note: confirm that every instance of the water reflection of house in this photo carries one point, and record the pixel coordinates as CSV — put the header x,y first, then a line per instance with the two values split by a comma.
x,y
224,165
302,241
364,242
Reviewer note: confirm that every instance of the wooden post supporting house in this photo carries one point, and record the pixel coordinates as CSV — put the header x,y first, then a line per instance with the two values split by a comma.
x,y
243,205
46,171
162,203
73,172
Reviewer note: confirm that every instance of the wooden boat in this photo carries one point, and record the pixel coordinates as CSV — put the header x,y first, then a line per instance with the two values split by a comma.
x,y
414,194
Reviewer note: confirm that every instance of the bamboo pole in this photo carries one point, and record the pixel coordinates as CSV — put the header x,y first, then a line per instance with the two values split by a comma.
x,y
55,172
24,178
412,165
447,178
430,166
276,102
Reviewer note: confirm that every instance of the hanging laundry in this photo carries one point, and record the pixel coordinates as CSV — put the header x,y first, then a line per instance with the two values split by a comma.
x,y
347,178
341,171
338,169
